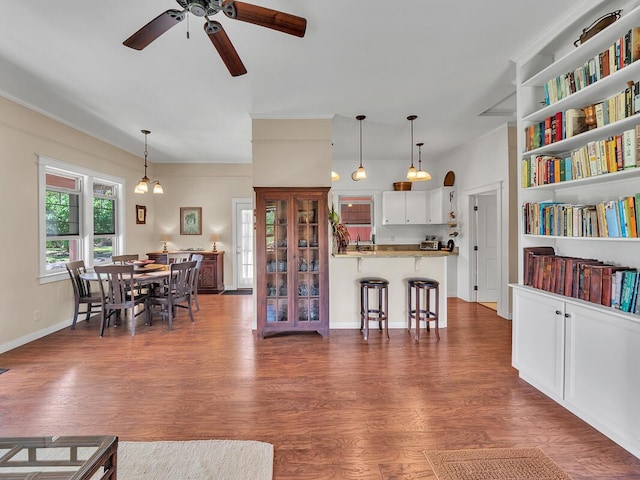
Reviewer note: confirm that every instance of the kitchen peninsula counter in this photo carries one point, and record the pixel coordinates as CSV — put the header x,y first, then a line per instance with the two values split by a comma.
x,y
396,264
395,253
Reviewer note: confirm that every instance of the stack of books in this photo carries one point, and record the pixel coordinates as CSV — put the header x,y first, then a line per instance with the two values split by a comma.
x,y
613,286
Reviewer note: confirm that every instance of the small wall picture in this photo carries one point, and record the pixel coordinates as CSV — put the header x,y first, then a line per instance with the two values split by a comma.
x,y
190,220
141,214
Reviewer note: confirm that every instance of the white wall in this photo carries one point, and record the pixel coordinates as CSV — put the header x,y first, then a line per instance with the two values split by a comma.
x,y
483,165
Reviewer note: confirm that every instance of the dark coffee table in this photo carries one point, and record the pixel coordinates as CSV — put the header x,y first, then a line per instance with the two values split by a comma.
x,y
56,458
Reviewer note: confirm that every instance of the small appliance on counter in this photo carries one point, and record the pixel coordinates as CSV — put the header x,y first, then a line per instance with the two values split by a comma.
x,y
430,243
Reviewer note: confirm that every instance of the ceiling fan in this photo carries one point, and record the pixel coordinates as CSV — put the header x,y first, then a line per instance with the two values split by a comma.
x,y
245,12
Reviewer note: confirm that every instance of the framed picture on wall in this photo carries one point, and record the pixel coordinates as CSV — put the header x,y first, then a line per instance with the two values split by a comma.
x,y
141,214
190,220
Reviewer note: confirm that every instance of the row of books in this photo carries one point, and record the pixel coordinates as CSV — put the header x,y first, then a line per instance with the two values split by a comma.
x,y
619,152
586,279
611,218
623,52
571,122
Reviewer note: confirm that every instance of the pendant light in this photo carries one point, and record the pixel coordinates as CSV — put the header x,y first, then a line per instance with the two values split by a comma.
x,y
360,173
421,175
412,172
143,184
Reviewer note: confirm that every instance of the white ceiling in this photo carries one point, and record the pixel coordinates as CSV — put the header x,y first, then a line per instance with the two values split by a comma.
x,y
445,61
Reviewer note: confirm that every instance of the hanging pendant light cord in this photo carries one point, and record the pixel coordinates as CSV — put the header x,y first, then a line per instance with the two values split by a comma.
x,y
412,142
360,143
145,153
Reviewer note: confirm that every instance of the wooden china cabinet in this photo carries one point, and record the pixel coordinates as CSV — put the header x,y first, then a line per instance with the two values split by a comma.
x,y
292,260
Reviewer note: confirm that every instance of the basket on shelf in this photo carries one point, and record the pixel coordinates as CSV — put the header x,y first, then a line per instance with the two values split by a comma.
x,y
402,186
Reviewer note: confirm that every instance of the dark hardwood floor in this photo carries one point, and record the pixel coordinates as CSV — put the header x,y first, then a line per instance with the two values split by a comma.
x,y
337,408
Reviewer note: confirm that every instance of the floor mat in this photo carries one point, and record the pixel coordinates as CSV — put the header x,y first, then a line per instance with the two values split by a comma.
x,y
240,291
494,464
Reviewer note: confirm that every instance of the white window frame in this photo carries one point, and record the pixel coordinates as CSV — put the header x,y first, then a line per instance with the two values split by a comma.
x,y
370,202
87,178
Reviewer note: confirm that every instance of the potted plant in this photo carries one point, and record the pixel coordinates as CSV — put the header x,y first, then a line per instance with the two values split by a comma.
x,y
340,233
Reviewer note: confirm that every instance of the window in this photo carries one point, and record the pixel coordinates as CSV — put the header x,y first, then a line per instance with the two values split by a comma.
x,y
79,215
62,217
356,213
104,222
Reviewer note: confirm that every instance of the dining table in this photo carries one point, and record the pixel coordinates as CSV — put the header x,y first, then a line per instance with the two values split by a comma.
x,y
143,275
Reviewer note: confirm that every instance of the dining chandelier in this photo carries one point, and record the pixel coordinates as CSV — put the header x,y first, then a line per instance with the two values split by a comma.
x,y
360,173
143,184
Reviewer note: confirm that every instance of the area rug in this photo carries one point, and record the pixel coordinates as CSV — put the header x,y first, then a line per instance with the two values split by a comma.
x,y
240,291
494,464
197,460
190,460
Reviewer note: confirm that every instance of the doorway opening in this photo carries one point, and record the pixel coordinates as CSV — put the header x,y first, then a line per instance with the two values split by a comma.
x,y
486,259
243,268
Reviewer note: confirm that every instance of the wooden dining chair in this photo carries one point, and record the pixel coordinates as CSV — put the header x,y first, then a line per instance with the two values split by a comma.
x,y
118,295
179,293
124,259
197,257
82,292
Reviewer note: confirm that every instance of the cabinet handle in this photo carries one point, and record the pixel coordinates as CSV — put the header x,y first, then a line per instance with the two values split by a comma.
x,y
567,315
558,312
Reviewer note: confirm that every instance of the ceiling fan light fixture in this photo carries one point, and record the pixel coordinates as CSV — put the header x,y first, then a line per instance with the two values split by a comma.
x,y
421,175
360,173
197,8
143,185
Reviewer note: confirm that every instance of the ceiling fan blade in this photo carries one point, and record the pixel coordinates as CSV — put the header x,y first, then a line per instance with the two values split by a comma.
x,y
265,17
225,48
154,29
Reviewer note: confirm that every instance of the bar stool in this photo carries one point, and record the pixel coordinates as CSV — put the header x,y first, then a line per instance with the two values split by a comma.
x,y
379,314
416,286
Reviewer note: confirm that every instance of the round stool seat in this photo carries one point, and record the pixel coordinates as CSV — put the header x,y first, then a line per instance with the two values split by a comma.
x,y
422,281
373,281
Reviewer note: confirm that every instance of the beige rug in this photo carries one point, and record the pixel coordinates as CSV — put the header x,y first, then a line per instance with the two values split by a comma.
x,y
494,464
190,460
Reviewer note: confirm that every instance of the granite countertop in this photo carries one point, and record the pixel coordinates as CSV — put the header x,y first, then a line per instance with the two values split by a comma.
x,y
386,251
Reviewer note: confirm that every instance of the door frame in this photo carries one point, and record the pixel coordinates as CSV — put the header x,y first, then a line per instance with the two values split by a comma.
x,y
234,208
472,194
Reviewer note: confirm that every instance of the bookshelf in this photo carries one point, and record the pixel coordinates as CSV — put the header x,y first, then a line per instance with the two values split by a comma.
x,y
580,353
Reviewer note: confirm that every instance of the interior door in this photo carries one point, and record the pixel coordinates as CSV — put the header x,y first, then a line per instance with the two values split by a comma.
x,y
487,242
243,244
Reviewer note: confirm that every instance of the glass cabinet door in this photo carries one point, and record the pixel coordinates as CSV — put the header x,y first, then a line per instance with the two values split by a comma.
x,y
276,260
308,266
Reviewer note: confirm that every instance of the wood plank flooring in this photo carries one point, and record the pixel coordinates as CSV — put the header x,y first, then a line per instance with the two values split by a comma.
x,y
337,408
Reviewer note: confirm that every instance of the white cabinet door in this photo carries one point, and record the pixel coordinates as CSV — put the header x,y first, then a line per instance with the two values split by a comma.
x,y
538,341
404,208
393,208
416,204
439,205
603,378
435,206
